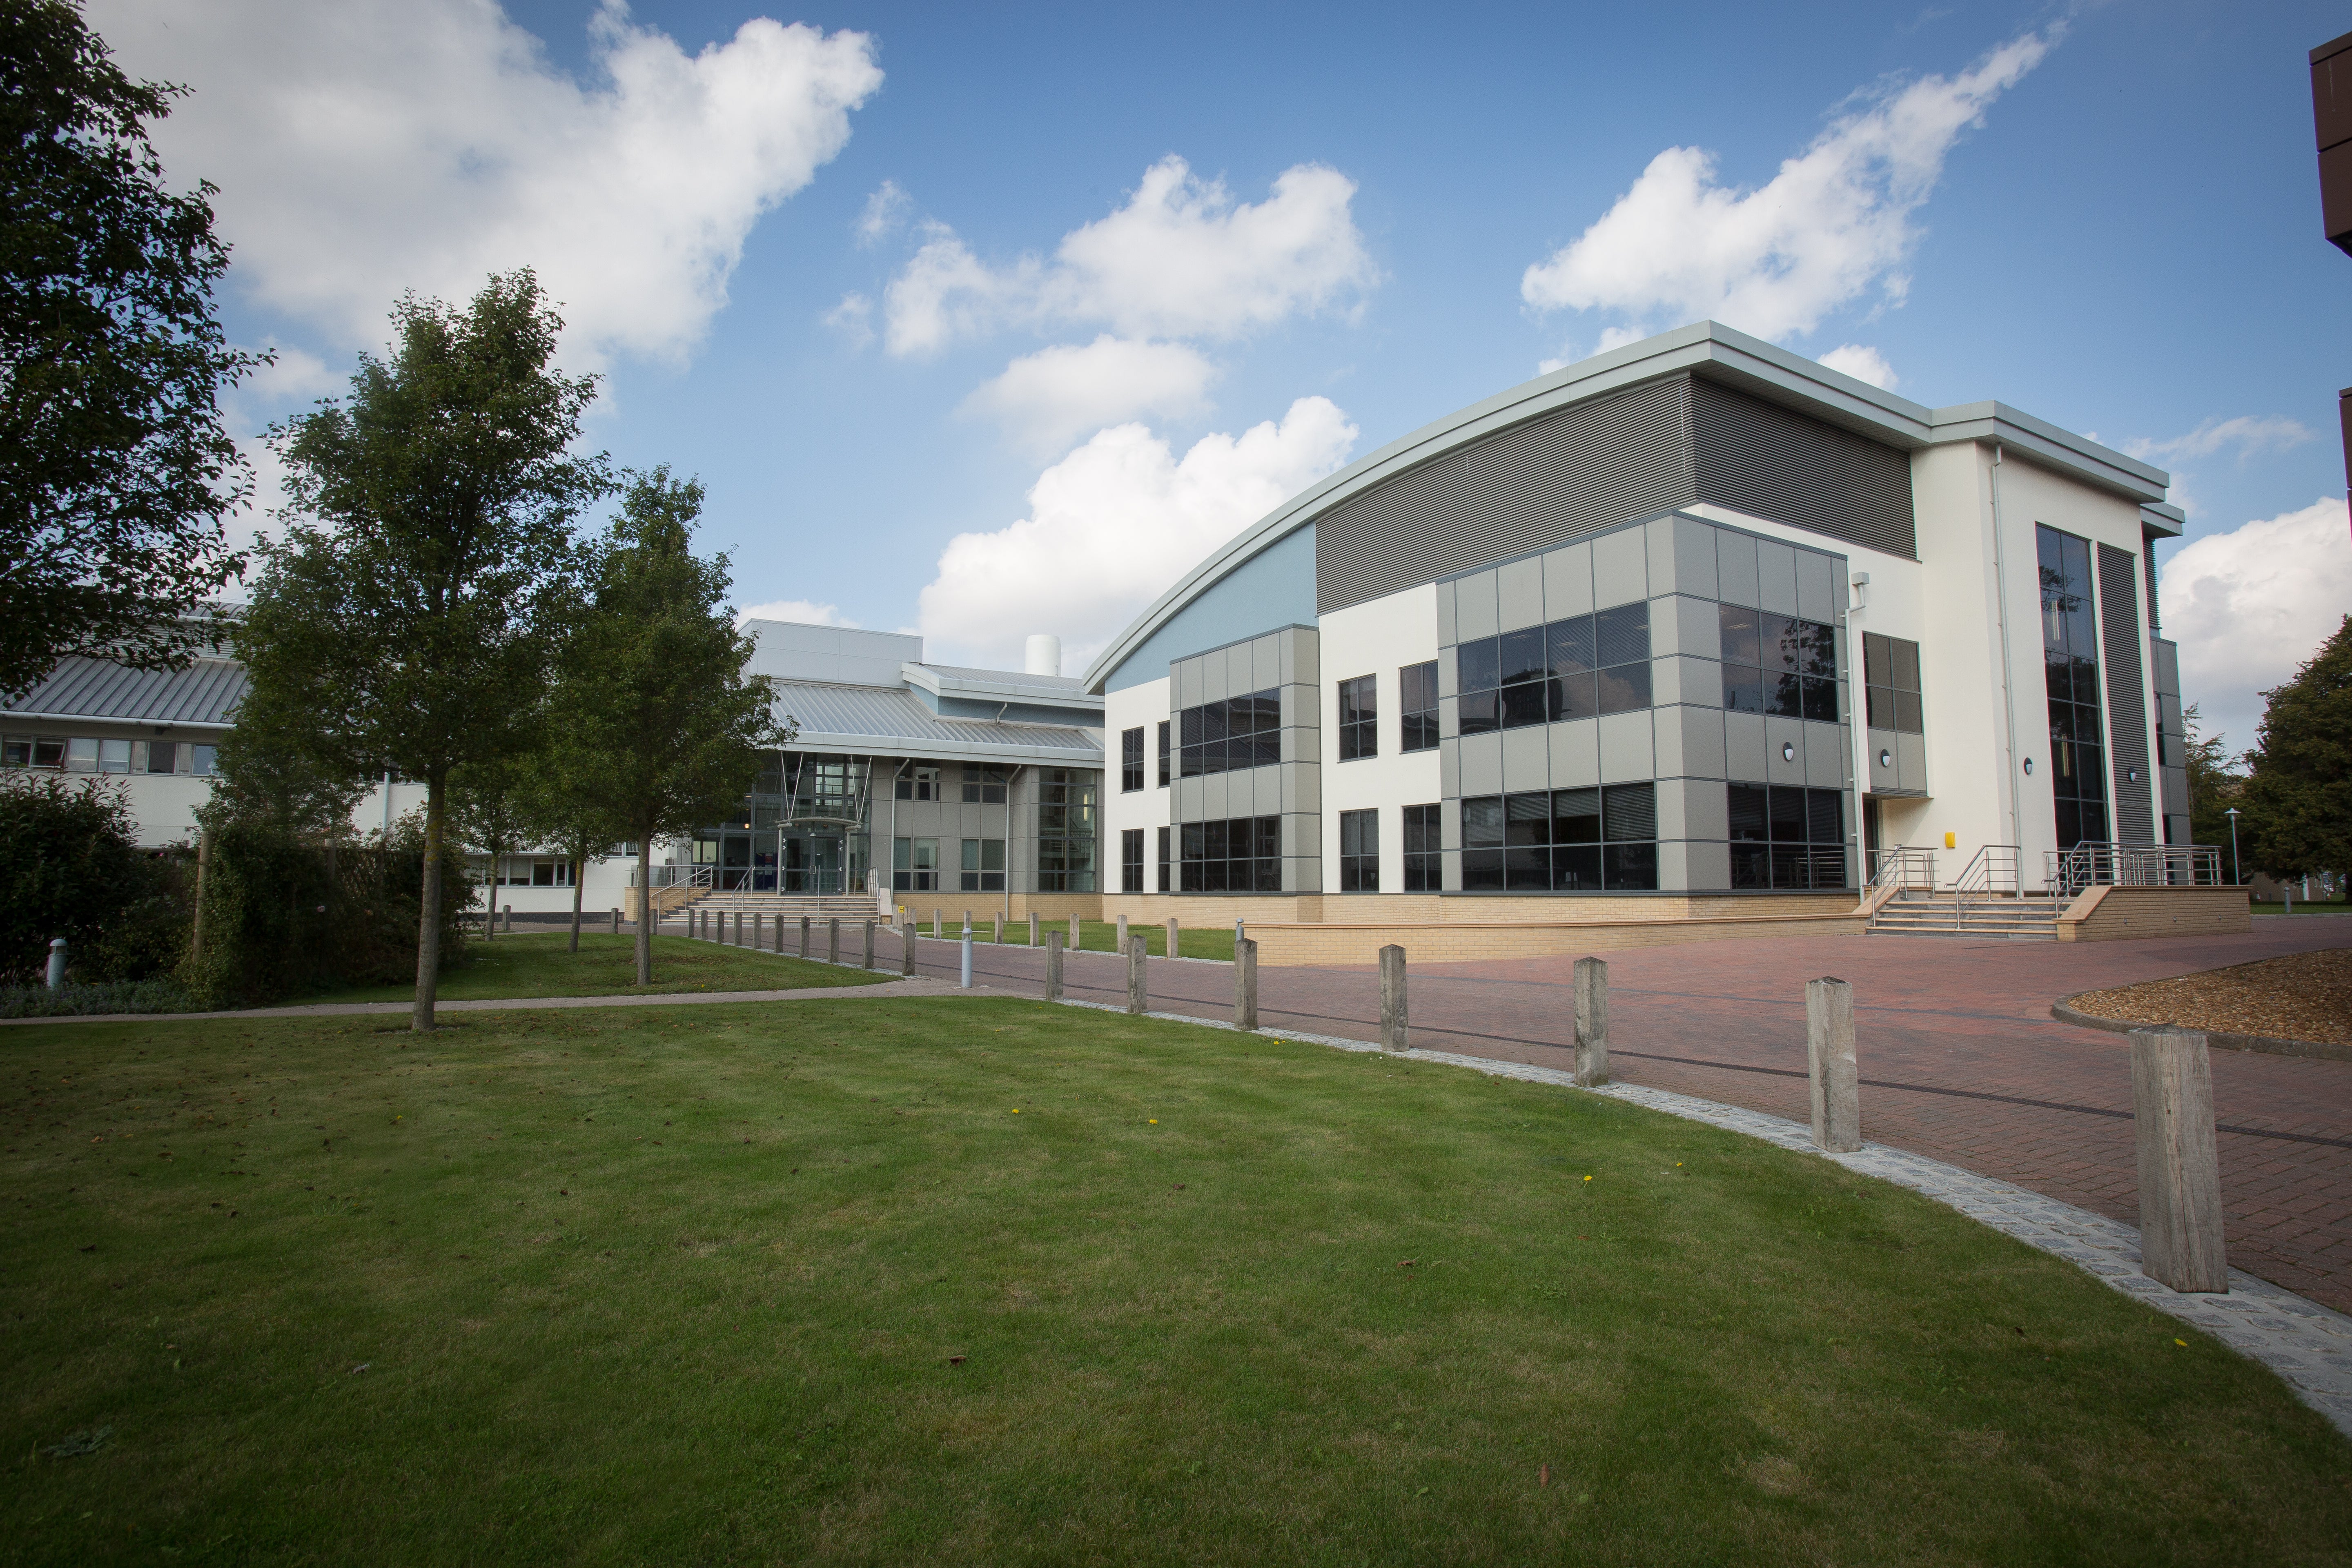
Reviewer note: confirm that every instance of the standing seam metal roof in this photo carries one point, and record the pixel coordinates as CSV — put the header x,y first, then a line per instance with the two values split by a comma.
x,y
886,714
206,692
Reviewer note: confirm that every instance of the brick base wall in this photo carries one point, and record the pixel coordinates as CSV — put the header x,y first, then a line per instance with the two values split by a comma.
x,y
2120,914
1430,908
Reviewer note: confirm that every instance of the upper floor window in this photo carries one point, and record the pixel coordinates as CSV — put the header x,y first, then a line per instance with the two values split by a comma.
x,y
2070,643
1778,664
1163,759
1573,668
1131,759
1891,678
1228,735
1359,718
1417,708
918,782
982,785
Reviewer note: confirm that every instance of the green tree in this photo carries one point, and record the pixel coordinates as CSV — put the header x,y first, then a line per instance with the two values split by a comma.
x,y
70,867
488,814
566,803
411,611
2214,782
653,696
116,472
2299,791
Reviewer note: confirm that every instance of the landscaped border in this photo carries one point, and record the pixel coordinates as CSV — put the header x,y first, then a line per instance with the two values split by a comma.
x,y
2324,1050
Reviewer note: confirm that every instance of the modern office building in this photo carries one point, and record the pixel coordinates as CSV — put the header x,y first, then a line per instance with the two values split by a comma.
x,y
1695,625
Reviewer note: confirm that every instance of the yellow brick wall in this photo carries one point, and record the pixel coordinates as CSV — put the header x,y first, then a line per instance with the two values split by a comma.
x,y
2120,914
1462,942
1429,908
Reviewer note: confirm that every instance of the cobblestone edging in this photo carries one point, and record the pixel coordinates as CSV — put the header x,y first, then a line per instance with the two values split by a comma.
x,y
2309,1346
2065,1011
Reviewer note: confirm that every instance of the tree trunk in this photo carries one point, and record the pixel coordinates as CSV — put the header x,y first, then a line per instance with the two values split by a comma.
x,y
644,911
428,920
578,863
196,923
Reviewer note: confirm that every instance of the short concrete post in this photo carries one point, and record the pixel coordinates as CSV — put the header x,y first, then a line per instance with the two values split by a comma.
x,y
1171,939
1245,984
996,930
1393,1034
1033,927
1830,1064
907,929
2180,1239
833,940
869,944
1591,1023
759,919
616,919
509,917
1123,935
56,975
804,936
1075,940
739,927
1136,992
964,978
1241,934
938,932
1053,966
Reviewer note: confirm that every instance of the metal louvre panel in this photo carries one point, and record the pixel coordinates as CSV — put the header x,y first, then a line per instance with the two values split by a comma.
x,y
1775,463
2119,627
1622,456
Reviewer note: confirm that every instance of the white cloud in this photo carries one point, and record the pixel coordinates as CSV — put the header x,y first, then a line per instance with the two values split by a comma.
x,y
1181,258
1833,222
2249,606
368,147
886,212
1112,526
804,612
1862,362
853,319
1049,398
2250,433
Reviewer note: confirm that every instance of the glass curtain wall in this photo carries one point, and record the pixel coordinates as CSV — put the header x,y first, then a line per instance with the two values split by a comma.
x,y
2070,645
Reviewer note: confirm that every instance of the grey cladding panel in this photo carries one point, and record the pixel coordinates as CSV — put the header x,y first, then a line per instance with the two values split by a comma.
x,y
1773,462
2127,697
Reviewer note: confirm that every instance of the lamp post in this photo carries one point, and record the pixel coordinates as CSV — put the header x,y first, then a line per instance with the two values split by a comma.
x,y
2236,880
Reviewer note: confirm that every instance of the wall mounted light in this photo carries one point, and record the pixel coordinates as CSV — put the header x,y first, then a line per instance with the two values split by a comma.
x,y
1886,758
1788,751
2131,775
2029,767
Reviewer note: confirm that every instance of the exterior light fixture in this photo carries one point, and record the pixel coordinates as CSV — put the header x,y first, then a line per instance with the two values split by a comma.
x,y
2131,775
1886,758
2029,767
1788,751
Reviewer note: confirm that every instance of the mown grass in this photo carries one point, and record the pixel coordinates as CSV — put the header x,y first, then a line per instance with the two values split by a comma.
x,y
512,964
1094,936
986,1281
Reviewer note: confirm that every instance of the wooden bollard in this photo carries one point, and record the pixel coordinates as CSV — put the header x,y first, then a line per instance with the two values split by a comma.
x,y
1591,1023
1135,982
833,940
869,944
1830,1064
2180,1235
996,930
1393,1034
804,936
1033,927
1053,966
1076,941
758,923
907,949
1123,935
616,919
739,927
1171,939
935,930
1245,984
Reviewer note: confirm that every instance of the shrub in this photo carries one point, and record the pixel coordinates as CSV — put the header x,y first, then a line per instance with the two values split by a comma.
x,y
75,1000
70,865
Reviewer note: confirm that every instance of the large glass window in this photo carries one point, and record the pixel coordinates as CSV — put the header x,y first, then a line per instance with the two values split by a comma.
x,y
1359,718
983,785
1784,837
1360,851
1065,829
918,780
1163,760
1240,855
1566,840
1573,668
982,870
1417,707
914,866
2070,651
1131,759
1424,866
1230,735
1890,673
1778,664
1130,859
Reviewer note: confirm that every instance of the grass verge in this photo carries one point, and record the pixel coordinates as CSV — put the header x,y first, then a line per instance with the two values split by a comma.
x,y
514,964
994,1281
1094,936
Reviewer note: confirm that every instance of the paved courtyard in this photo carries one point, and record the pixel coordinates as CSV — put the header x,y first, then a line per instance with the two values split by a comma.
x,y
1960,1058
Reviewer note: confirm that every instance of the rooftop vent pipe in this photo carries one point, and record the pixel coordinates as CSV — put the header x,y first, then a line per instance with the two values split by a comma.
x,y
1045,656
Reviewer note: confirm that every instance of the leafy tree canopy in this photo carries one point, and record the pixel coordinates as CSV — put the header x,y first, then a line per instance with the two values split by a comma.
x,y
116,472
2298,796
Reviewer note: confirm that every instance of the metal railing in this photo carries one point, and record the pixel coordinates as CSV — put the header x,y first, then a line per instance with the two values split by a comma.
x,y
2091,864
1989,876
675,887
1904,867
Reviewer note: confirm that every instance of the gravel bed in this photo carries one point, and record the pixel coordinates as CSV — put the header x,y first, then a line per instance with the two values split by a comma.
x,y
2301,996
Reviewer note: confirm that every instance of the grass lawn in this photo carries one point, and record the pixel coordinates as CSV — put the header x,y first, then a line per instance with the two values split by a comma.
x,y
606,966
988,1280
1094,936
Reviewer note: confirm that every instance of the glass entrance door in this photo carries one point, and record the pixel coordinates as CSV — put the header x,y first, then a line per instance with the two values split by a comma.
x,y
813,861
735,862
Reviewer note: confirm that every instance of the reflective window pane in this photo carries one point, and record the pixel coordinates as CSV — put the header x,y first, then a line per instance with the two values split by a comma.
x,y
1630,868
1741,644
1747,814
1573,696
1479,713
1576,868
1624,688
1524,705
1624,635
1569,645
1482,822
1522,656
1628,811
1743,689
1576,816
1478,666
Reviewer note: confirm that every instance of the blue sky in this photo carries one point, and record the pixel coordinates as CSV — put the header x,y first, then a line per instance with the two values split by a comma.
x,y
2118,232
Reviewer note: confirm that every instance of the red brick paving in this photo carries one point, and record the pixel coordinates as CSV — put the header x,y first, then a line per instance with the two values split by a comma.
x,y
1726,1021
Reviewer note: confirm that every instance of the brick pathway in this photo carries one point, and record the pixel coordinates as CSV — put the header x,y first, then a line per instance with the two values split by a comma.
x,y
1960,1058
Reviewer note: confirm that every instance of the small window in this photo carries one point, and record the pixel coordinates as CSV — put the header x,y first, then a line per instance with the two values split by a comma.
x,y
1131,759
114,756
918,782
982,785
1360,851
1131,848
203,760
914,866
163,757
1423,862
982,870
16,752
1359,718
1891,684
1164,853
1417,707
1163,762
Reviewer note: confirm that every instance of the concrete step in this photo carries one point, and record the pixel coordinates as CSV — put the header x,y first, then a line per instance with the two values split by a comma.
x,y
2026,919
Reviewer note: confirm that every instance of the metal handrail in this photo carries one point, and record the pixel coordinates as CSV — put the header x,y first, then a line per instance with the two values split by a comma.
x,y
1904,867
1983,878
2094,863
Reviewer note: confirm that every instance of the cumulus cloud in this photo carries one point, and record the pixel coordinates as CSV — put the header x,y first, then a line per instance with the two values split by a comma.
x,y
368,147
1862,362
2249,606
1112,526
885,213
1181,258
804,612
2249,435
1832,224
1047,399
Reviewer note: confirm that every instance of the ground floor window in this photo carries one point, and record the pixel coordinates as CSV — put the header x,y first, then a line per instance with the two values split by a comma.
x,y
1783,837
983,866
914,866
1424,866
1561,841
1130,860
1239,854
1360,851
1163,851
533,871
